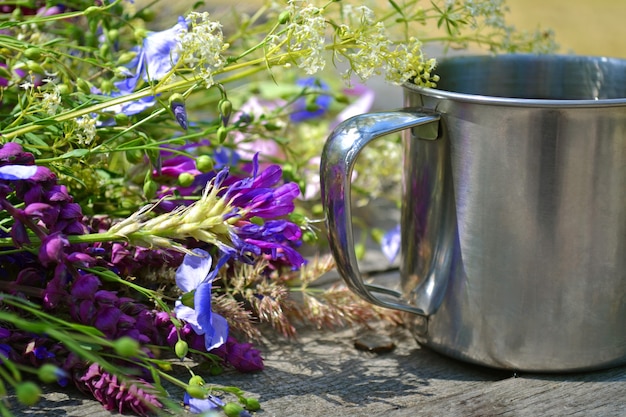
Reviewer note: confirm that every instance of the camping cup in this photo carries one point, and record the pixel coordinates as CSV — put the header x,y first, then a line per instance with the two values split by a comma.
x,y
513,219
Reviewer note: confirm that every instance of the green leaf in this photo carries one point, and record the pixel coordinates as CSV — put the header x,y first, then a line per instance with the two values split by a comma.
x,y
75,153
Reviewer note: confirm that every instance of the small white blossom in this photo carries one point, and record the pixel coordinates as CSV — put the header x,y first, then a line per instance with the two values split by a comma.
x,y
304,37
85,131
202,46
51,101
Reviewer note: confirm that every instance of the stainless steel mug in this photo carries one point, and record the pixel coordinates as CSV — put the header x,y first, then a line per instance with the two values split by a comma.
x,y
513,210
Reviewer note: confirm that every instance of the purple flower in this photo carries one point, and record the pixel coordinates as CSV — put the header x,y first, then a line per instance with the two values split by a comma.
x,y
180,113
390,243
241,356
309,109
17,172
136,396
52,249
195,275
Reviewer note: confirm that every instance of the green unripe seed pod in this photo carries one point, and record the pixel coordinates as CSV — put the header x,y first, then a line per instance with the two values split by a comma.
x,y
104,49
226,108
149,189
147,14
284,17
222,133
252,404
48,373
232,409
181,348
32,53
121,118
126,57
34,67
133,156
126,347
176,98
83,86
185,179
4,72
63,89
196,380
204,163
92,11
196,391
106,86
113,35
28,393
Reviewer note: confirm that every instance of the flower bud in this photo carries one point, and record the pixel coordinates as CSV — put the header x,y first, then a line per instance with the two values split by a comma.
x,y
92,11
121,118
28,393
181,349
149,189
226,108
222,133
104,49
126,57
232,409
196,380
113,35
32,53
185,179
106,86
196,391
83,85
35,67
49,373
204,163
126,347
134,156
284,17
252,404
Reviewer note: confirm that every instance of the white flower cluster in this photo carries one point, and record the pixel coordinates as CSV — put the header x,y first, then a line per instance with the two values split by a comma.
x,y
203,46
85,131
371,52
304,38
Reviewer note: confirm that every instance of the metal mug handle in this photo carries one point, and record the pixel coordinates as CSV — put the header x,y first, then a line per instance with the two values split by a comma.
x,y
338,158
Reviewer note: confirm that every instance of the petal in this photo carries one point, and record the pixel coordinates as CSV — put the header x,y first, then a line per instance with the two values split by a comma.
x,y
17,172
390,243
189,315
219,333
193,270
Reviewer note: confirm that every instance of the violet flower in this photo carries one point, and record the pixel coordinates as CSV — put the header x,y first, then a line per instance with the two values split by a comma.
x,y
241,356
390,244
198,405
136,396
195,275
321,103
155,59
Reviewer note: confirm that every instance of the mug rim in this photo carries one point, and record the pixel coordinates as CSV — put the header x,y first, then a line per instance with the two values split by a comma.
x,y
519,102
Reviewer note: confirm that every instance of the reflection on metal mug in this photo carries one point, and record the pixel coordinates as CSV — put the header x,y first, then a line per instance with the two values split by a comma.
x,y
513,210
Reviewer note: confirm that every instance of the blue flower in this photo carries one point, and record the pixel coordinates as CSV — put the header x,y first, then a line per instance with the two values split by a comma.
x,y
305,108
197,405
195,275
390,243
155,59
17,172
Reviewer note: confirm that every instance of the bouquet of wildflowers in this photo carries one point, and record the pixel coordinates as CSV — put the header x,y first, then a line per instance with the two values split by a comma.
x,y
158,188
